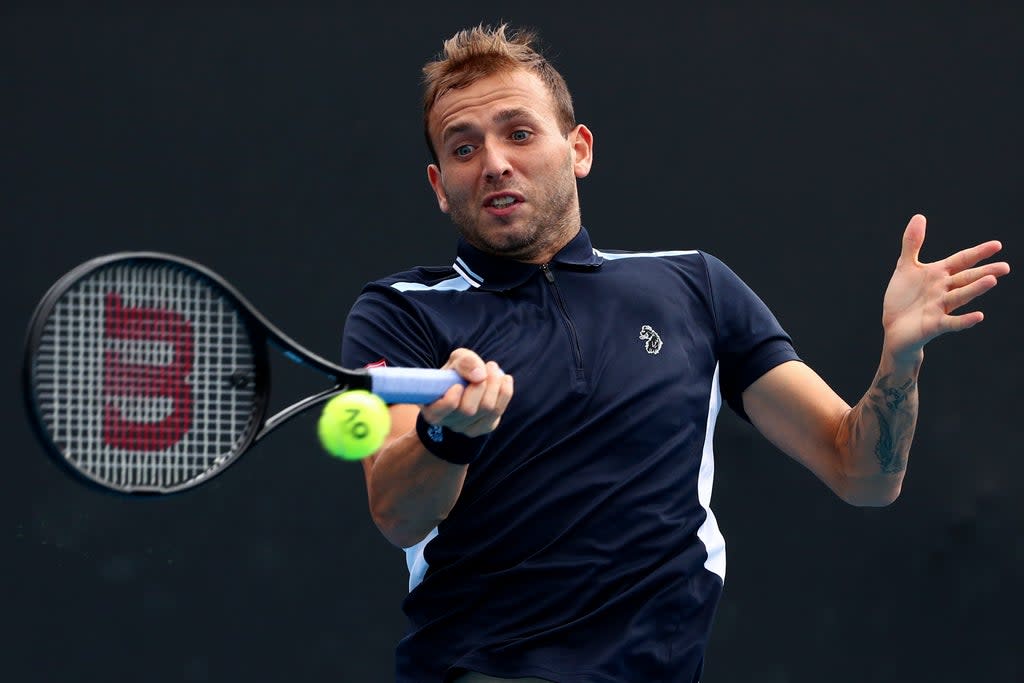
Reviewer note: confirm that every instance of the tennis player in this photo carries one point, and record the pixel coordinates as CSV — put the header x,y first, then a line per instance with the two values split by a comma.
x,y
557,526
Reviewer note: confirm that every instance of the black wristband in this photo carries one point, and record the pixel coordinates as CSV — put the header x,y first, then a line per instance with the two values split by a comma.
x,y
458,449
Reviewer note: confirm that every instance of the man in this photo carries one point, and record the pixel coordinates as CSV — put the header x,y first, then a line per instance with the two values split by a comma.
x,y
558,528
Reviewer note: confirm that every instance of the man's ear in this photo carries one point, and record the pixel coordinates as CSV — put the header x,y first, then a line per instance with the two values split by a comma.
x,y
582,141
434,177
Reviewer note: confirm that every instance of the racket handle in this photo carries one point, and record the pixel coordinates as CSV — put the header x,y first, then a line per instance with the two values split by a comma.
x,y
412,385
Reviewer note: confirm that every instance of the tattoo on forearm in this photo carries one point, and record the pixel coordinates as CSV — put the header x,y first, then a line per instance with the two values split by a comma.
x,y
895,422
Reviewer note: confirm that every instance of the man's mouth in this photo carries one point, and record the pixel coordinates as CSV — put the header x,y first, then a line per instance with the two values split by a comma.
x,y
502,202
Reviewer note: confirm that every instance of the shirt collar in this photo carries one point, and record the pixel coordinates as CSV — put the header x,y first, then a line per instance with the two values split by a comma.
x,y
498,273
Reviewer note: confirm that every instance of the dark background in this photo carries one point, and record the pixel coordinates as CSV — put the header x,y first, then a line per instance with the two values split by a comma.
x,y
283,149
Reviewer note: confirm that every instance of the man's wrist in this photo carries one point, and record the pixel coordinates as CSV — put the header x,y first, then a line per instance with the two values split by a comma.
x,y
907,362
452,447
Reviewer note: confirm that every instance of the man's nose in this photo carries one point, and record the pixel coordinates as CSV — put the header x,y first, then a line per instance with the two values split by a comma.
x,y
496,163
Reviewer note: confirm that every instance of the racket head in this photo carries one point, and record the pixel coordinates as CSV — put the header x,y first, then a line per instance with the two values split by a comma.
x,y
145,373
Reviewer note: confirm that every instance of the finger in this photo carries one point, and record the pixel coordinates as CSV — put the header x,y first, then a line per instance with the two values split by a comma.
x,y
468,364
505,394
913,238
475,399
489,399
488,422
968,257
468,406
444,406
956,298
966,277
956,323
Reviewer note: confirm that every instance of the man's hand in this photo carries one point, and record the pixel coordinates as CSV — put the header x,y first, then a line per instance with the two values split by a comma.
x,y
921,297
410,491
474,409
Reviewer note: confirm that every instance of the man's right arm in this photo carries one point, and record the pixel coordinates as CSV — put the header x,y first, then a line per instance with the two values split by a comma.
x,y
411,490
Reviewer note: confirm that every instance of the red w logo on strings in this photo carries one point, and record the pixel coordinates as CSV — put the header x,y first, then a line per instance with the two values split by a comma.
x,y
146,381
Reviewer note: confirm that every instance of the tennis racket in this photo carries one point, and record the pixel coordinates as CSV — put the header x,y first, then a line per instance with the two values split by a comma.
x,y
148,373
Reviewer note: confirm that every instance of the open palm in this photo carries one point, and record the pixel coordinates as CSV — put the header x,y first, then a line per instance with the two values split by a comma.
x,y
921,298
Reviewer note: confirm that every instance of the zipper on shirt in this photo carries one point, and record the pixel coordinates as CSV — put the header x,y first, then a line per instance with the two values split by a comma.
x,y
570,328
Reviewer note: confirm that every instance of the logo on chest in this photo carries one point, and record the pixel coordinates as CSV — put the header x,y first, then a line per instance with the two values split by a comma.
x,y
651,340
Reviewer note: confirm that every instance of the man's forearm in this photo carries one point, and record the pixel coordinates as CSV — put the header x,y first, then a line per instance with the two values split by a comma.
x,y
410,490
875,439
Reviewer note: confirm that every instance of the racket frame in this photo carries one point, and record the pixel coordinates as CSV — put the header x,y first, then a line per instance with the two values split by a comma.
x,y
260,331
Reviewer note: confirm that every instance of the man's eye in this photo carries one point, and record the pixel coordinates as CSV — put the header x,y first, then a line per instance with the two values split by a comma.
x,y
520,135
463,150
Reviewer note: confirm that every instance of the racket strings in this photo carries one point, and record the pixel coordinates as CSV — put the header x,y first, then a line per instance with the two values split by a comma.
x,y
137,377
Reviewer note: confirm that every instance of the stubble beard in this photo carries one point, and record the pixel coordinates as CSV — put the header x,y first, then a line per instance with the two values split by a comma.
x,y
555,221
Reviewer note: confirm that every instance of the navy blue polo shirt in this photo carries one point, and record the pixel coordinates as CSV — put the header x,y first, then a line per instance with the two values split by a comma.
x,y
582,547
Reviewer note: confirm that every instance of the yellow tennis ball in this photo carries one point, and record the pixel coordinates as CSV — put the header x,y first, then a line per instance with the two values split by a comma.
x,y
353,424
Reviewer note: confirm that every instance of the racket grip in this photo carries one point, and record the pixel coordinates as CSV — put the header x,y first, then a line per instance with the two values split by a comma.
x,y
412,385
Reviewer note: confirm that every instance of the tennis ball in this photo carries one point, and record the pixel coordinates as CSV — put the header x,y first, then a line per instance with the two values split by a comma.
x,y
353,424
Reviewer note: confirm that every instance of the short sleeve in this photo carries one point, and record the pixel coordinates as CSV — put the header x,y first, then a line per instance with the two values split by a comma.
x,y
383,326
750,340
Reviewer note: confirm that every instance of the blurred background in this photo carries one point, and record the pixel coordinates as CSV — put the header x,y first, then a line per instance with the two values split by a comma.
x,y
282,147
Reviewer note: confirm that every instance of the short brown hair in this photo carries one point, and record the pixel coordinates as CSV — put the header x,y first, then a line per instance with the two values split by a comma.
x,y
472,54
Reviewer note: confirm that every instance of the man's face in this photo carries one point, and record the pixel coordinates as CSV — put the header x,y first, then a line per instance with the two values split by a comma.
x,y
506,173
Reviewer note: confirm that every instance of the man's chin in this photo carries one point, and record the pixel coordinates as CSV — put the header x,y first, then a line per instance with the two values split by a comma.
x,y
502,241
516,249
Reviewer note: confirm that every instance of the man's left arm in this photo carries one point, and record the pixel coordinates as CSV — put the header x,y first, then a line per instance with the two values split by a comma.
x,y
861,452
